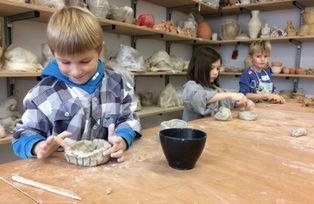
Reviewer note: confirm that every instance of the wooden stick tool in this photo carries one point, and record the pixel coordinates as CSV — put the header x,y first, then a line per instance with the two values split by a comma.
x,y
50,188
19,190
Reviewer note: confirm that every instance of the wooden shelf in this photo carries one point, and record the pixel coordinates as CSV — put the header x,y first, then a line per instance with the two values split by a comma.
x,y
117,27
6,139
155,110
273,40
11,7
4,73
264,6
159,74
186,6
189,6
8,8
274,75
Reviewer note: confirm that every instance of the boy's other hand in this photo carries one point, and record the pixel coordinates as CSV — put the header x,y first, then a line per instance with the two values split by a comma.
x,y
118,144
45,148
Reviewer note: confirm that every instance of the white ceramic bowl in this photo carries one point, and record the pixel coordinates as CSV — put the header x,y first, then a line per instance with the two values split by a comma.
x,y
276,70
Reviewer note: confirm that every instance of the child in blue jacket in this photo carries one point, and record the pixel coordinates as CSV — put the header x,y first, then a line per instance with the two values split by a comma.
x,y
77,98
256,81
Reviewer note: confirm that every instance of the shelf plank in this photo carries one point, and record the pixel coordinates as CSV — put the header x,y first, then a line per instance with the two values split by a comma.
x,y
4,73
274,75
117,27
306,3
11,7
309,38
262,6
186,6
155,110
159,73
6,140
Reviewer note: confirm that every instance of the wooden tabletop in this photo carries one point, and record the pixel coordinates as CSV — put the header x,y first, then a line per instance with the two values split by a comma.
x,y
243,162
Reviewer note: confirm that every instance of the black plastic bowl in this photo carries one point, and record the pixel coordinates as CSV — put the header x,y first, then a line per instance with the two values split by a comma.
x,y
182,146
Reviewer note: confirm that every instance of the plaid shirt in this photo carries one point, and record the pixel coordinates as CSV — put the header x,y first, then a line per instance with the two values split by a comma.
x,y
52,108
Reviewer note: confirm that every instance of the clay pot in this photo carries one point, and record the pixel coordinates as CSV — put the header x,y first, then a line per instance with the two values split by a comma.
x,y
276,64
299,71
230,29
292,70
285,70
276,70
204,30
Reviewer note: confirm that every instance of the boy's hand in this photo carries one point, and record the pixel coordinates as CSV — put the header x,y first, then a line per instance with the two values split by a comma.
x,y
45,148
250,105
118,145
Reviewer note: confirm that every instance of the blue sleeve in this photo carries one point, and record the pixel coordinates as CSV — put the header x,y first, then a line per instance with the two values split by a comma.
x,y
244,83
128,134
23,146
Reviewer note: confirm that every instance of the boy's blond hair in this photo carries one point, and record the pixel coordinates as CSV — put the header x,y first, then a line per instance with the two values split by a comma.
x,y
260,46
74,30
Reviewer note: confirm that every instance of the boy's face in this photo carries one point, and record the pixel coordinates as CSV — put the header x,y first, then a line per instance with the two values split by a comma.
x,y
260,60
78,68
214,72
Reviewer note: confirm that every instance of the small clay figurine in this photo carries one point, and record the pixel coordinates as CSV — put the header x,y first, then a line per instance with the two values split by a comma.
x,y
298,132
265,31
223,114
291,31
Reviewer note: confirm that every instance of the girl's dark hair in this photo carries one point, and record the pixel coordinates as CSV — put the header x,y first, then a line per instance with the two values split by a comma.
x,y
201,64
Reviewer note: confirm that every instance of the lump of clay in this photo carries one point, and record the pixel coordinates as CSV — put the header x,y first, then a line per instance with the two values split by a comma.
x,y
298,132
87,152
174,123
248,115
223,114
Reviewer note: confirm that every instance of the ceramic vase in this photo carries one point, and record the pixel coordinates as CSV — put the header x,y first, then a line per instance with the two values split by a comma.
x,y
254,25
204,30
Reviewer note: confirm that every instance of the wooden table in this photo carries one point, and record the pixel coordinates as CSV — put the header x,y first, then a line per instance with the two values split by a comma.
x,y
243,162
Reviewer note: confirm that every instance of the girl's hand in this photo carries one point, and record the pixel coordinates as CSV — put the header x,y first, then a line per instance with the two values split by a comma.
x,y
118,145
276,98
238,97
45,148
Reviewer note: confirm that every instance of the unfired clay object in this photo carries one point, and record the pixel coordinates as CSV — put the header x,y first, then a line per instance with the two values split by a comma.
x,y
298,132
174,123
223,114
248,115
87,152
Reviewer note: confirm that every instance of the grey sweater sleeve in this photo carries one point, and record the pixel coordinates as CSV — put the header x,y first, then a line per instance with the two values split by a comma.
x,y
196,97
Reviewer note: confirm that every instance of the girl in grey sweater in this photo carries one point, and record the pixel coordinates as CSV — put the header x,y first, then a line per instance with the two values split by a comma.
x,y
201,94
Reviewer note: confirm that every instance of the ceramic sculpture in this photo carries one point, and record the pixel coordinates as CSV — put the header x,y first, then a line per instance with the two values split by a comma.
x,y
87,152
254,25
